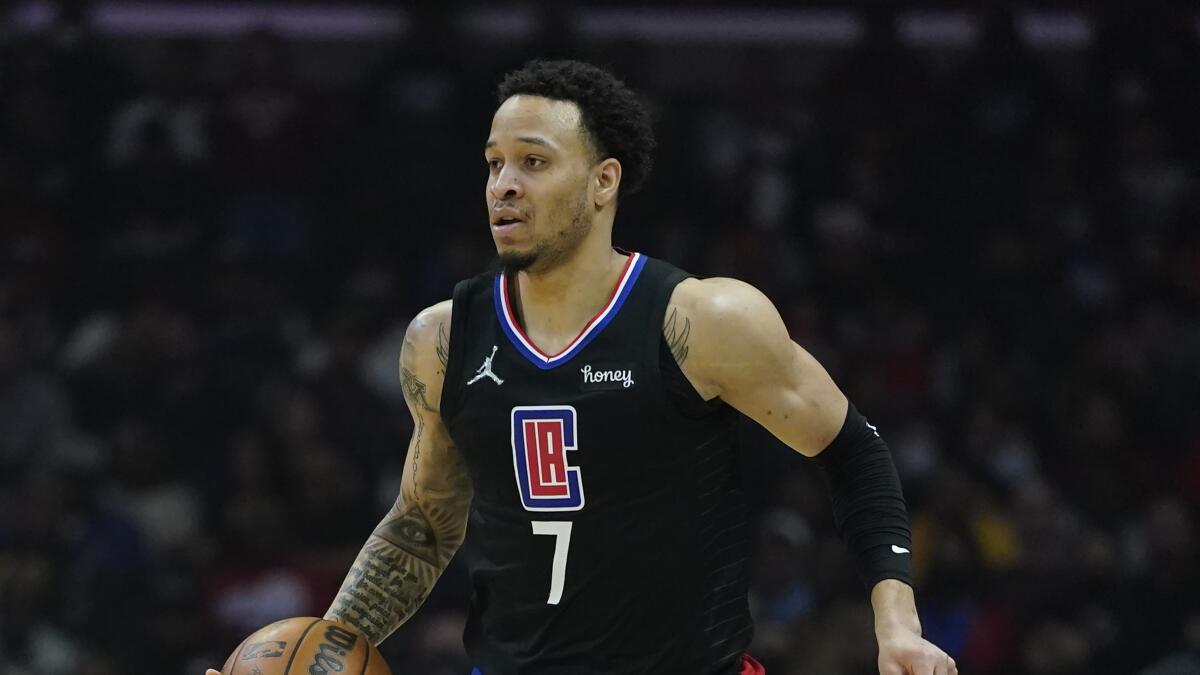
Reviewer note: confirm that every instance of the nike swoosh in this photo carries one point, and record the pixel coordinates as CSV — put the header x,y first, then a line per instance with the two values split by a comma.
x,y
897,549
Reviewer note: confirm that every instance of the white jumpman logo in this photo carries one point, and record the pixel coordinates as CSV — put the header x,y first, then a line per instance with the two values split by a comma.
x,y
486,370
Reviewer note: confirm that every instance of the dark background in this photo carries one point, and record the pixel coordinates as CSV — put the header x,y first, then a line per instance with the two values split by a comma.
x,y
983,224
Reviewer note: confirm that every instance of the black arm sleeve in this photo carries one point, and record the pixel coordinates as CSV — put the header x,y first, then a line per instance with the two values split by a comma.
x,y
868,504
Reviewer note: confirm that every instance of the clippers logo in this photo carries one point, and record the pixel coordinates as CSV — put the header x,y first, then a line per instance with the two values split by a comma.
x,y
541,438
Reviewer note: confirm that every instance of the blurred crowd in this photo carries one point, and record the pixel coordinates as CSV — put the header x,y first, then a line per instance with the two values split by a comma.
x,y
204,281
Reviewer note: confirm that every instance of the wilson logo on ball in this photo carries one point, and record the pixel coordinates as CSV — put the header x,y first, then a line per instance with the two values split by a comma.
x,y
541,438
332,651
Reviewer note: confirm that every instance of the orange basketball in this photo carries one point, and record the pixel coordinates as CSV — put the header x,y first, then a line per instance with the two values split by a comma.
x,y
306,646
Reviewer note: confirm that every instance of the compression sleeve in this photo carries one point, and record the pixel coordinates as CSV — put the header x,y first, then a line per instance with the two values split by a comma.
x,y
868,504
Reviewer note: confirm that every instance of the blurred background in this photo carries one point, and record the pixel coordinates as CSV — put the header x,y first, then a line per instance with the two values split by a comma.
x,y
217,219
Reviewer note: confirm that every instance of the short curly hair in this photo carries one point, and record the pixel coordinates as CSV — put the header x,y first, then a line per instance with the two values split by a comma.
x,y
616,120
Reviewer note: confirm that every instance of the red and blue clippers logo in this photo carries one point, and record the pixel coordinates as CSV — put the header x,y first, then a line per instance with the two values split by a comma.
x,y
541,438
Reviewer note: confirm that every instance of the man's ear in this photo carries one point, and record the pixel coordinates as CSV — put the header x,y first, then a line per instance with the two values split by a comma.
x,y
607,177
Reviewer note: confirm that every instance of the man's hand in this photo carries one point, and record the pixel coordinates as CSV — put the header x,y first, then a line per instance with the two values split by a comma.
x,y
210,671
904,652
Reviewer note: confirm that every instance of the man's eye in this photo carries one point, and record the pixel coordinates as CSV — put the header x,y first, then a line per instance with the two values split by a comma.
x,y
493,164
534,162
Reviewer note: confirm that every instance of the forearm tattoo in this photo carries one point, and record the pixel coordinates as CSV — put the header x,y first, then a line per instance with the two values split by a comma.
x,y
391,577
677,333
399,565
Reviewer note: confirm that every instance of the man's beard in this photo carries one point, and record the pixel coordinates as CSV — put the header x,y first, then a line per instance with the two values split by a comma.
x,y
548,253
511,262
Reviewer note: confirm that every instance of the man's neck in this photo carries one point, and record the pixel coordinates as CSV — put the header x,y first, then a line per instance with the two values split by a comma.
x,y
560,301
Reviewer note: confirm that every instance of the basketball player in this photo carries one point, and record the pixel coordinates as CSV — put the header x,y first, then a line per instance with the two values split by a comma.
x,y
579,409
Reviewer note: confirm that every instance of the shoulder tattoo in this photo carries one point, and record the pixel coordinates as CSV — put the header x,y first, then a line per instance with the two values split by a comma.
x,y
443,345
677,330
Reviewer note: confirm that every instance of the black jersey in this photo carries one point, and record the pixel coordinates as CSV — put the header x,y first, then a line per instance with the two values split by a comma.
x,y
607,532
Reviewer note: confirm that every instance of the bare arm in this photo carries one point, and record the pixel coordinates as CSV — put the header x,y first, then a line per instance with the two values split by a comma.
x,y
731,342
734,345
411,546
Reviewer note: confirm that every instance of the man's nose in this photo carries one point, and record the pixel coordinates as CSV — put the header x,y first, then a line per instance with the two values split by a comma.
x,y
507,186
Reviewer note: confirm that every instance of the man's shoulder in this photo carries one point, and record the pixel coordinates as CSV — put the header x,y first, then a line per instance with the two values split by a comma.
x,y
715,325
718,300
428,319
428,335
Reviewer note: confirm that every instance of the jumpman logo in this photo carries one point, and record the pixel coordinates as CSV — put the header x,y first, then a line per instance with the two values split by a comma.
x,y
486,370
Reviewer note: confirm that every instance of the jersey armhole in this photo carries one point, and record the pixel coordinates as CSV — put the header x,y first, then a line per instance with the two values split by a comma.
x,y
451,391
679,389
676,387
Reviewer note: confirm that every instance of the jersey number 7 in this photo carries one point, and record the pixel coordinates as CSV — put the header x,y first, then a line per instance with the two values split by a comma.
x,y
561,529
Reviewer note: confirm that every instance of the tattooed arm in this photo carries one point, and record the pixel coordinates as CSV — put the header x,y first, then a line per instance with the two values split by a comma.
x,y
411,546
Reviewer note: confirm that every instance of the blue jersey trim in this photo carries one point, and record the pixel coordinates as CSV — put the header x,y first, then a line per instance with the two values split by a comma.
x,y
543,361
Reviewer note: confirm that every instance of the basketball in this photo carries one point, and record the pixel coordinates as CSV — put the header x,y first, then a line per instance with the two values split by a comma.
x,y
308,646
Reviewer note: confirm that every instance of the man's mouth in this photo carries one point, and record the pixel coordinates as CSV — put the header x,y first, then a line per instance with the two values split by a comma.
x,y
506,219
